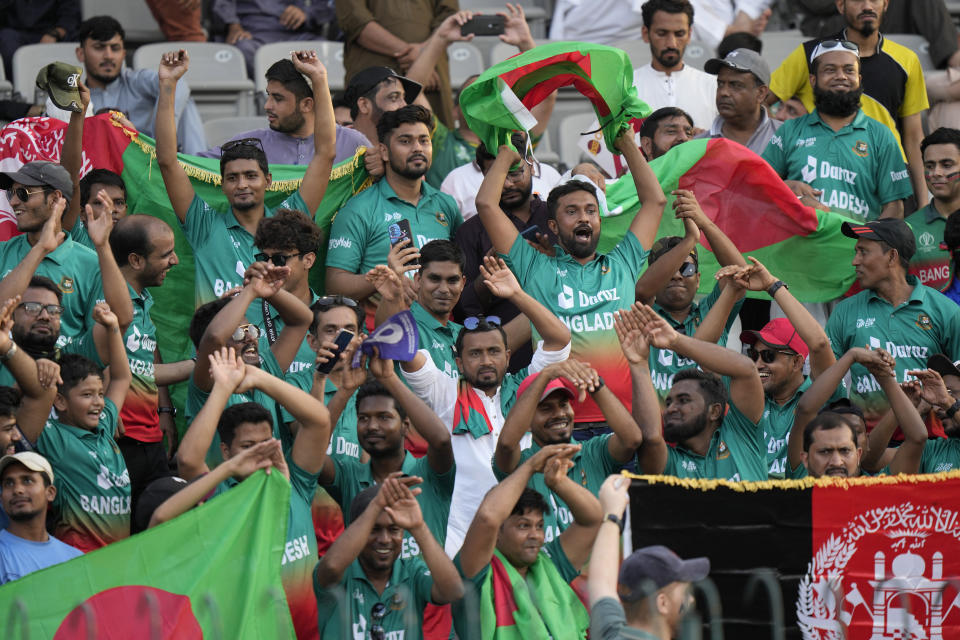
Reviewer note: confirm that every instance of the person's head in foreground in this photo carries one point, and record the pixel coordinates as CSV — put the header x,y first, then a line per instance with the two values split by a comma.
x,y
830,447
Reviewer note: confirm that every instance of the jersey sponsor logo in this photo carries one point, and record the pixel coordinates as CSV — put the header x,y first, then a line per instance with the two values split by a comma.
x,y
565,298
66,285
943,466
667,359
923,321
805,142
296,366
240,269
344,448
834,172
864,323
688,465
861,149
107,480
775,140
604,295
340,243
897,176
809,171
295,549
422,239
137,340
562,273
908,350
392,217
926,239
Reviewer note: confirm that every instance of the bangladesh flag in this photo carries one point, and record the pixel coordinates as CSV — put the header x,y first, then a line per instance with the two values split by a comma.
x,y
213,572
861,559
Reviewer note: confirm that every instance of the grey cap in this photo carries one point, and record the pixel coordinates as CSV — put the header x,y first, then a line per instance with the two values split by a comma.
x,y
37,174
656,567
741,60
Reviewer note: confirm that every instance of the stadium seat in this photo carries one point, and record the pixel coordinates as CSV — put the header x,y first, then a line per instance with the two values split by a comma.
x,y
6,88
133,15
571,127
330,53
222,129
30,58
537,16
500,52
697,54
638,50
777,45
217,78
916,43
465,60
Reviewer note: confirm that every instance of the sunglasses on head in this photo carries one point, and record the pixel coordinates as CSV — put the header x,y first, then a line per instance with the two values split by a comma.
x,y
768,355
336,301
242,142
834,45
21,192
245,330
34,309
278,259
471,323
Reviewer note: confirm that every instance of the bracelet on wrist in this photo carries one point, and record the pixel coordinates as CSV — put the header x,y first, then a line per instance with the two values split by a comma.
x,y
4,357
615,519
776,286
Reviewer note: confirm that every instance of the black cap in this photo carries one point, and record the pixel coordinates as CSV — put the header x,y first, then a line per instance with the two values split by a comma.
x,y
40,173
370,77
894,232
657,566
943,365
152,497
951,232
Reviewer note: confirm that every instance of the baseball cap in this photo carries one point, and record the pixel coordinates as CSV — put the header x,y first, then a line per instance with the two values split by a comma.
x,y
39,173
894,232
31,460
560,384
59,80
658,565
155,494
370,77
779,333
741,60
943,365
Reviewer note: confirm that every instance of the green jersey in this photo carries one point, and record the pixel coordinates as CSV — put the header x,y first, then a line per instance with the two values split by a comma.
x,y
80,235
343,438
779,422
927,323
438,339
76,271
305,358
940,454
591,466
354,476
930,263
92,507
450,150
360,236
737,452
222,248
353,599
859,168
585,297
664,364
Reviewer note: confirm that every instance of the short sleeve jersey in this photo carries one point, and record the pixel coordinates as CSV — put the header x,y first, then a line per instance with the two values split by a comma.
x,y
305,358
438,339
664,364
354,476
927,323
404,599
940,454
585,297
222,248
930,263
450,150
76,271
359,236
858,168
92,507
343,438
80,235
737,452
591,466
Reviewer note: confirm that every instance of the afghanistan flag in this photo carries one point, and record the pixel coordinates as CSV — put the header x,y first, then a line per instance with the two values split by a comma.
x,y
213,572
862,559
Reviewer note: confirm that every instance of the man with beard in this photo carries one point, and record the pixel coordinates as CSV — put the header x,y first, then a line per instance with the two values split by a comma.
x,y
360,235
578,285
664,129
135,92
26,493
893,85
289,109
940,389
9,433
837,157
36,324
742,79
223,243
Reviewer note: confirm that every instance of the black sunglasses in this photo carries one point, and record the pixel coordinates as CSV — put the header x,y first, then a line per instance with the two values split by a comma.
x,y
376,617
767,356
242,142
336,301
688,269
278,259
471,323
22,194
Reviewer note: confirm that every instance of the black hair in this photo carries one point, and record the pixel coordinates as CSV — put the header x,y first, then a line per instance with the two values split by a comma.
x,y
74,369
739,40
663,246
670,6
9,401
571,186
362,500
100,28
285,73
409,114
132,234
202,317
43,282
442,251
483,156
951,232
843,406
237,414
530,500
288,229
711,386
825,422
482,327
244,152
370,95
319,307
943,135
99,176
339,99
904,262
375,388
649,127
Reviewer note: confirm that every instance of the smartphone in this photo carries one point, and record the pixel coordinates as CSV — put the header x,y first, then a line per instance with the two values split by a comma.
x,y
400,230
492,25
530,233
342,340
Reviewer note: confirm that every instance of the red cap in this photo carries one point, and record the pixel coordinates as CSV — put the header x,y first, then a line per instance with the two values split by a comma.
x,y
777,334
561,384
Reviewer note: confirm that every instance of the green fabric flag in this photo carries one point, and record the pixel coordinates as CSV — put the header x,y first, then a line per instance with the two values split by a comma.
x,y
499,101
213,572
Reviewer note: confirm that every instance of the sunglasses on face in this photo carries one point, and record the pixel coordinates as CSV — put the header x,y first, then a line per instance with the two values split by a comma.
x,y
768,356
242,142
245,330
34,309
22,194
278,259
471,323
688,269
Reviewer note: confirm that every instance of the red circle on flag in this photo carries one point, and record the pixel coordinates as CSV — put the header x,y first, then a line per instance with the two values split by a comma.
x,y
128,612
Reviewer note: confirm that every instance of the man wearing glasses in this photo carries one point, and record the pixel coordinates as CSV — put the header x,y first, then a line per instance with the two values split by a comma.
x,y
838,157
894,89
36,324
223,243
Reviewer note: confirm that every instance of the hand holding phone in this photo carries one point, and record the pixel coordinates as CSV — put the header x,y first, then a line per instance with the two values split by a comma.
x,y
482,25
342,340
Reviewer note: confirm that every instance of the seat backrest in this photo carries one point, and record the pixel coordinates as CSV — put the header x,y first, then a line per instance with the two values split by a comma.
x,y
777,45
30,58
138,23
209,61
220,130
465,60
330,54
697,54
916,43
637,50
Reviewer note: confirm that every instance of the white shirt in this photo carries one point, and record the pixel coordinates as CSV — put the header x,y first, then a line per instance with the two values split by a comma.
x,y
692,90
712,17
464,182
474,456
600,21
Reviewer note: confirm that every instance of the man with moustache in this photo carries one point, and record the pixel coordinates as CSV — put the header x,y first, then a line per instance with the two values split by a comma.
x,y
837,157
36,331
664,129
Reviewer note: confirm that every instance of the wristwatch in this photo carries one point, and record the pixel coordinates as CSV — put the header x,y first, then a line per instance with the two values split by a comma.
x,y
614,518
599,386
772,291
9,354
952,411
171,410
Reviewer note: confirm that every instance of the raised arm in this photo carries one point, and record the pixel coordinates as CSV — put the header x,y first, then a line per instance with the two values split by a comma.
x,y
442,37
16,282
317,175
652,201
714,324
115,289
501,231
396,290
37,400
516,31
688,208
296,318
605,557
817,395
587,515
71,155
658,274
172,67
107,331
